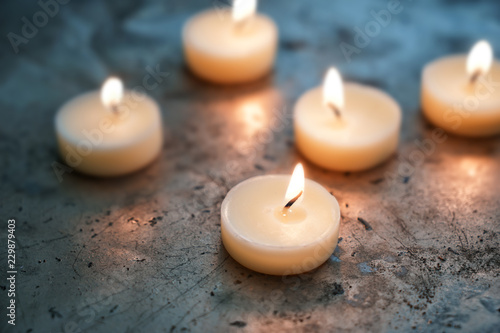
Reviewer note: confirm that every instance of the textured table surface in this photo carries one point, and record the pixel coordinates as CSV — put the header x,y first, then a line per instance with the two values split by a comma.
x,y
143,253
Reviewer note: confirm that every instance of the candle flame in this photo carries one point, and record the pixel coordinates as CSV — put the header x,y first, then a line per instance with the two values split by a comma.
x,y
243,9
112,92
333,90
295,188
479,59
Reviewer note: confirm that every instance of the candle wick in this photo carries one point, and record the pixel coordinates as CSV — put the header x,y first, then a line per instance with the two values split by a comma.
x,y
114,108
335,110
241,24
475,76
291,202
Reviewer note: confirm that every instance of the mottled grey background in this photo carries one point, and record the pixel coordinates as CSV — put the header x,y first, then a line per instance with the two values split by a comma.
x,y
143,253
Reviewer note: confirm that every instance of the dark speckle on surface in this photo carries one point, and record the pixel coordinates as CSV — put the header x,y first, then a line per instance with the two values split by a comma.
x,y
54,313
293,45
365,268
365,223
259,167
344,34
238,323
377,181
402,272
337,289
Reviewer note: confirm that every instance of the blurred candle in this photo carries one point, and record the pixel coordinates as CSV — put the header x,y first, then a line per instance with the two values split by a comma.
x,y
227,47
346,127
109,132
280,225
461,93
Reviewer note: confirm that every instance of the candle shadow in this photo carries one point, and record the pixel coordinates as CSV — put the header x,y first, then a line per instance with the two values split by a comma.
x,y
101,187
271,300
243,287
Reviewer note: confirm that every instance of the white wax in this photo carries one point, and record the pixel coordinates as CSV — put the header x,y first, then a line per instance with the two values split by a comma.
x,y
452,103
258,236
218,50
365,135
94,140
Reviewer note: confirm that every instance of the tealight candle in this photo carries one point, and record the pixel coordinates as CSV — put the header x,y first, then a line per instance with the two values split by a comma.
x,y
460,93
109,133
347,127
235,46
279,230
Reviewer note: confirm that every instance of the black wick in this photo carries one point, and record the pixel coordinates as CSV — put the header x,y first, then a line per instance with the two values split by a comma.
x,y
291,202
114,108
334,108
240,25
475,76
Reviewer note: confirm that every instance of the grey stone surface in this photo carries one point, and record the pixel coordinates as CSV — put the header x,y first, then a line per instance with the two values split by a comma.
x,y
143,253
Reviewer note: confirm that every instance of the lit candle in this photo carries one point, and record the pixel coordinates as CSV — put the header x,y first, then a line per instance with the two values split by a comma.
x,y
109,133
346,127
461,93
227,47
280,226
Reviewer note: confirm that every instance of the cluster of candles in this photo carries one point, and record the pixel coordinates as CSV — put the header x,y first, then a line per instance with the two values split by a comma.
x,y
274,224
